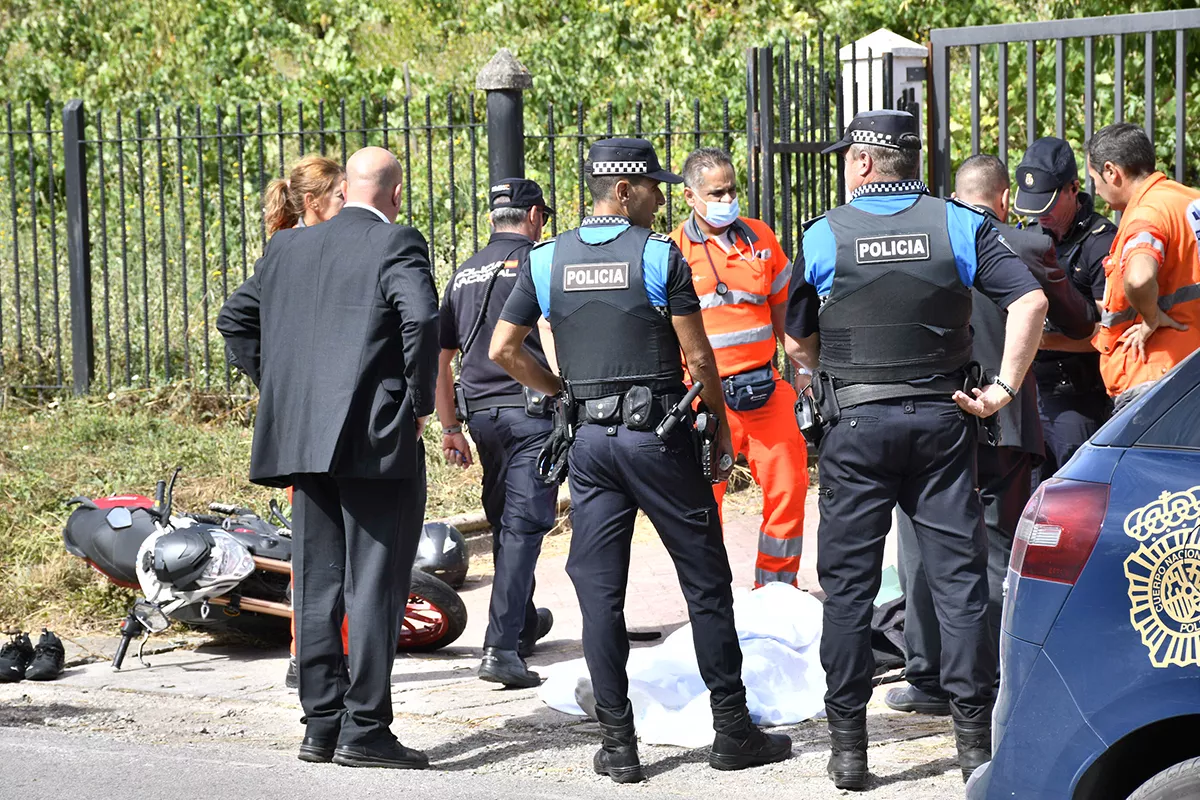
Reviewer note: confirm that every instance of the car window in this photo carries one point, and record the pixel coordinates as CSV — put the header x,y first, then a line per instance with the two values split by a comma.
x,y
1179,427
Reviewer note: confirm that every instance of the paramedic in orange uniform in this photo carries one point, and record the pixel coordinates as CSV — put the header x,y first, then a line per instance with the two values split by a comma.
x,y
1151,316
741,276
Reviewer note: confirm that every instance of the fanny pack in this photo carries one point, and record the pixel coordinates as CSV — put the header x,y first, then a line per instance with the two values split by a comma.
x,y
749,390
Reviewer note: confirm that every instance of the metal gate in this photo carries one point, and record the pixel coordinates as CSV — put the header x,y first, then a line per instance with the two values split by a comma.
x,y
1082,55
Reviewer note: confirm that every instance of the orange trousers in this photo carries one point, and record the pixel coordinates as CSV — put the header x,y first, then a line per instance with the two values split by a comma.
x,y
778,456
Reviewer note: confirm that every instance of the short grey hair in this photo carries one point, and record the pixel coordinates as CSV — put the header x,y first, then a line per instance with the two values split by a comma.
x,y
506,218
702,159
902,165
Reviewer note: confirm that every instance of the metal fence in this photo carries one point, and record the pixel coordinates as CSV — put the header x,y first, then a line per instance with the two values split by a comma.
x,y
1145,65
167,213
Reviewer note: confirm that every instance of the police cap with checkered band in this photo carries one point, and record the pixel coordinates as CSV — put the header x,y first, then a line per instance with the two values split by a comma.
x,y
893,129
627,158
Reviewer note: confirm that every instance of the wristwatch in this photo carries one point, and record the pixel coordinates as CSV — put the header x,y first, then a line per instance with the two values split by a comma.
x,y
1011,391
452,430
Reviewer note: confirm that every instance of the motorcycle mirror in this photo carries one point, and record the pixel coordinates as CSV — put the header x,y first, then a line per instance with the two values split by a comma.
x,y
150,616
119,518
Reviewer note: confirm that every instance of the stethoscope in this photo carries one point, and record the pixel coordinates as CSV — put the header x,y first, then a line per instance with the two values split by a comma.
x,y
722,287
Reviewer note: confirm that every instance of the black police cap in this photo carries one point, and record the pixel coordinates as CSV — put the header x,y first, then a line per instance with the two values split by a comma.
x,y
1048,166
628,157
517,193
894,129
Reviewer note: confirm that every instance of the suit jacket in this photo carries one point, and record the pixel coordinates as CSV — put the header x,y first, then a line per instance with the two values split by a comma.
x,y
338,330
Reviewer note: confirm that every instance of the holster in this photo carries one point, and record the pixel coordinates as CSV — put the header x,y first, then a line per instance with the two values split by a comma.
x,y
706,428
978,378
553,459
460,403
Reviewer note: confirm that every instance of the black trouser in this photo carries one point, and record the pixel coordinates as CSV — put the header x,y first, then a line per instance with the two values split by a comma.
x,y
612,476
1004,488
520,509
918,454
354,544
1068,420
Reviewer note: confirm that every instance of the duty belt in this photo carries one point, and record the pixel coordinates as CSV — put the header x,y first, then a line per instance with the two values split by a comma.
x,y
496,401
607,410
858,393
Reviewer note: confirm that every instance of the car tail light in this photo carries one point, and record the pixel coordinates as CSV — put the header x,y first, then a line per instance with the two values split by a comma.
x,y
1059,529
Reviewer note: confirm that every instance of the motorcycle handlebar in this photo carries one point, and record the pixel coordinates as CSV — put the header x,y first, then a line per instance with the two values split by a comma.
x,y
222,508
160,493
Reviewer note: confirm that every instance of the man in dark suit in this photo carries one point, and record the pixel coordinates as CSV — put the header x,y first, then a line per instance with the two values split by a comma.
x,y
338,329
1005,466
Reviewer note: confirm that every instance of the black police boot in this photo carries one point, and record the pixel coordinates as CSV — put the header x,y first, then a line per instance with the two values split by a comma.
x,y
508,668
48,658
618,756
739,743
15,658
545,621
913,700
974,740
848,761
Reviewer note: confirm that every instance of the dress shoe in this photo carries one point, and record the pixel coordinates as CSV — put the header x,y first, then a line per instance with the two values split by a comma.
x,y
848,760
388,754
974,742
317,750
912,700
618,756
545,621
508,668
739,743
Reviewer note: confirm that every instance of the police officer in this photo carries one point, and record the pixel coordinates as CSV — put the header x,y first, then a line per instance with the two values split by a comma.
x,y
622,306
1073,402
883,305
508,430
1006,465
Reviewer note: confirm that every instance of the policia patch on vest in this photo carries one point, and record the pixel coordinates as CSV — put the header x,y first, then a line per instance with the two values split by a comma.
x,y
885,249
1164,577
594,277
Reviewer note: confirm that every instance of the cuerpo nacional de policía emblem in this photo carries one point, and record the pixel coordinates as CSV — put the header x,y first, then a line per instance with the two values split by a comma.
x,y
1164,577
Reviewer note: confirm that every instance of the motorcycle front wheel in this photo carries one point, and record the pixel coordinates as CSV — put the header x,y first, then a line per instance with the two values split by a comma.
x,y
434,617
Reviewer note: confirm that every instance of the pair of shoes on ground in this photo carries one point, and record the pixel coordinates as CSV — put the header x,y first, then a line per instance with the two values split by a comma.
x,y
508,667
21,660
385,754
738,742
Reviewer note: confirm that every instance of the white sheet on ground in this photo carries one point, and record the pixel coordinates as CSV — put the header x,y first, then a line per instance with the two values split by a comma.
x,y
779,628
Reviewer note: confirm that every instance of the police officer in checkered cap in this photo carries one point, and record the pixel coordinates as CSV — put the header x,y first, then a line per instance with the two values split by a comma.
x,y
622,307
881,312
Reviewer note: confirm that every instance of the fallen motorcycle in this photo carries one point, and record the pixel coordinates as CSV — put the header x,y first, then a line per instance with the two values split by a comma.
x,y
233,568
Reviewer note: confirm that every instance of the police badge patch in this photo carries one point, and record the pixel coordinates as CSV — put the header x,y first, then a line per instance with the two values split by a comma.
x,y
1164,577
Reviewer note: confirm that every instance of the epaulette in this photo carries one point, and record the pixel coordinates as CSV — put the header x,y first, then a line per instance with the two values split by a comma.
x,y
660,237
806,225
967,206
544,242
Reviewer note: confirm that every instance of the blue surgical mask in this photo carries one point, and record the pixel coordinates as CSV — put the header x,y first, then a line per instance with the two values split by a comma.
x,y
721,215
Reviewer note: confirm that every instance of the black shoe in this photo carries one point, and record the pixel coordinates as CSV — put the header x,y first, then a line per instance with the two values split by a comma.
x,y
739,743
316,750
292,679
15,658
913,700
508,668
974,741
848,761
618,756
388,754
545,621
48,658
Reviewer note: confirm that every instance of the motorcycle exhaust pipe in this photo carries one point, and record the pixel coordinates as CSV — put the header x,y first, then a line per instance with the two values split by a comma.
x,y
273,565
258,606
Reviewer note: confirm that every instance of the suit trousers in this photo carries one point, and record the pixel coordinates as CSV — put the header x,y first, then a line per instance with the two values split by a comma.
x,y
615,471
354,544
521,510
918,454
1004,488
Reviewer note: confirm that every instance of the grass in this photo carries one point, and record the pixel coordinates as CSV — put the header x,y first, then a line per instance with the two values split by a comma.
x,y
124,442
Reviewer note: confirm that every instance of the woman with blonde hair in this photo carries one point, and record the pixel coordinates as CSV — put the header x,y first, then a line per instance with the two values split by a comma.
x,y
312,193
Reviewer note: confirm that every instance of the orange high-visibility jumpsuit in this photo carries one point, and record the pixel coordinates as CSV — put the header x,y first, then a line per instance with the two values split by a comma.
x,y
753,271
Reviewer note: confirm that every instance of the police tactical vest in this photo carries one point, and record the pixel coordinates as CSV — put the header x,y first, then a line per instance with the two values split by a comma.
x,y
898,310
607,334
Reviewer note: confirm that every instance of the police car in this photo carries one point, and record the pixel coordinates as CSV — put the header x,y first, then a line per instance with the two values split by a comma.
x,y
1100,650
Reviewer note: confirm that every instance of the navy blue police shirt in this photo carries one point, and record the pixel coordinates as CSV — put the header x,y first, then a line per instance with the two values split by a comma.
x,y
667,276
480,377
983,259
